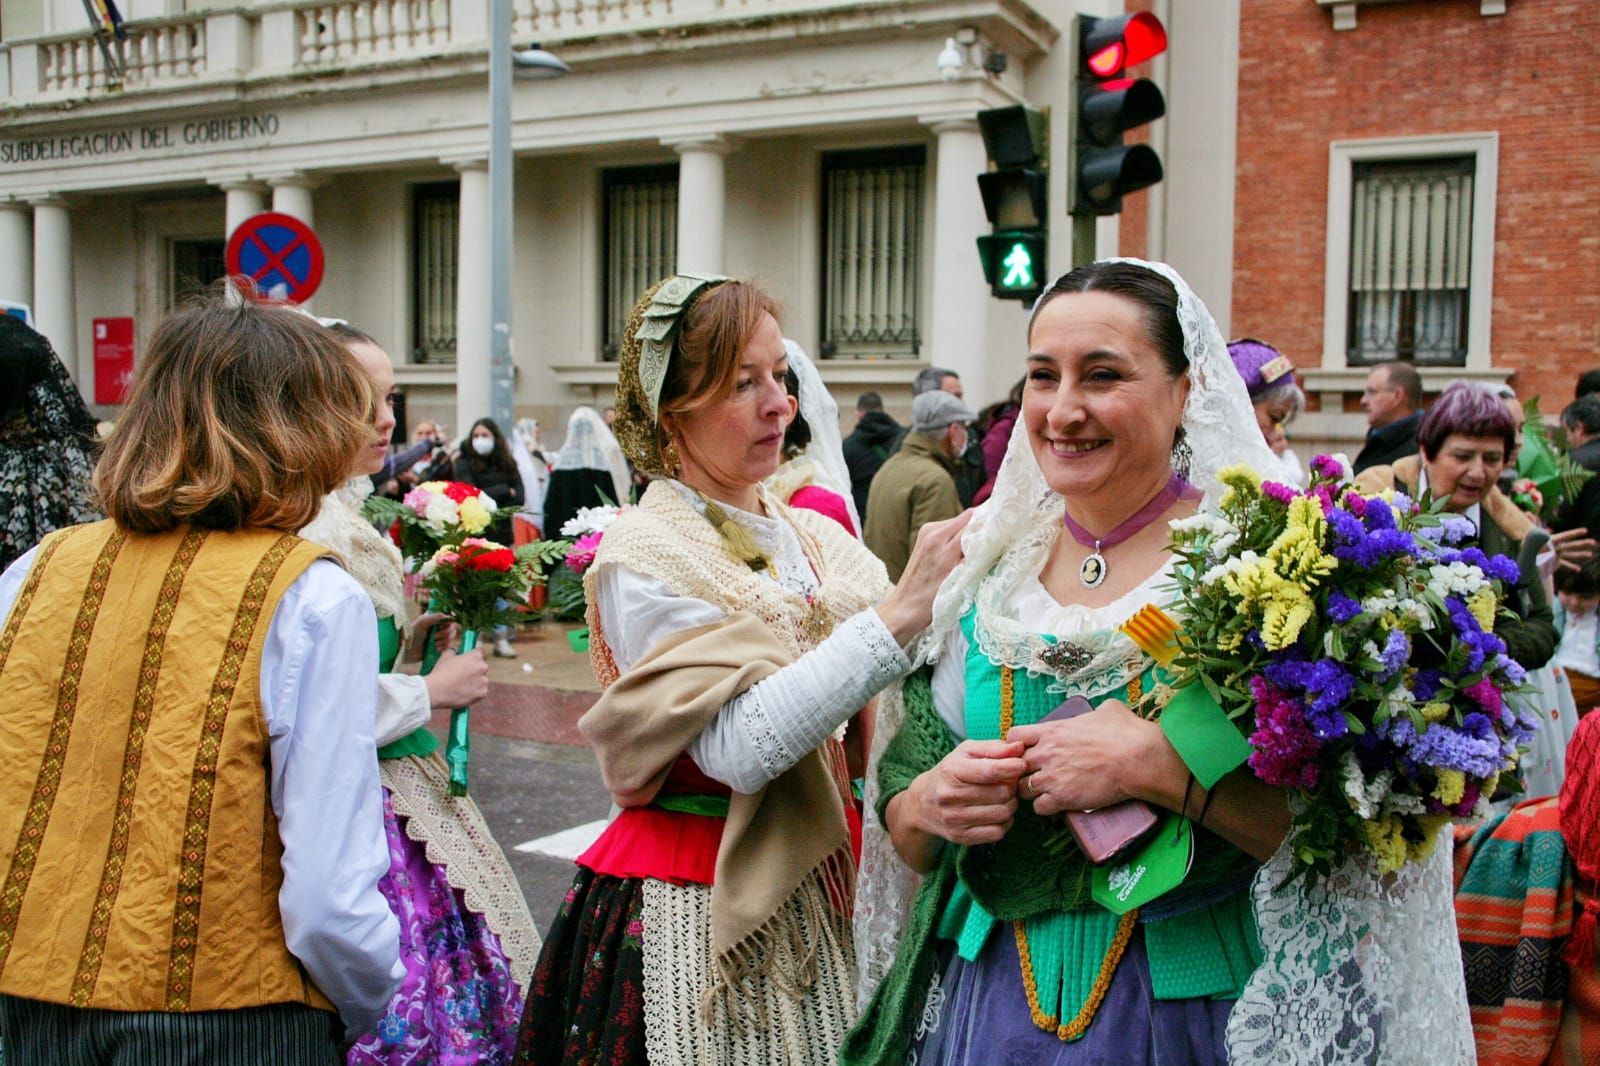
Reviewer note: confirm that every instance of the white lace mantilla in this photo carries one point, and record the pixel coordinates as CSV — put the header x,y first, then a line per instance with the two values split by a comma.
x,y
1365,968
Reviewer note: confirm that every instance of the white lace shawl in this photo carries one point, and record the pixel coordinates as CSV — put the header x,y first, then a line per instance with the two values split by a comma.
x,y
369,556
1406,996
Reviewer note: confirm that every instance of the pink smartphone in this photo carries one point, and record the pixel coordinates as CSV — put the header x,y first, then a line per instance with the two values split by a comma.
x,y
1105,833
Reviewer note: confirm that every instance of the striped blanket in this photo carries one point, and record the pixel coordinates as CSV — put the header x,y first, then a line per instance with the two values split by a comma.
x,y
1514,892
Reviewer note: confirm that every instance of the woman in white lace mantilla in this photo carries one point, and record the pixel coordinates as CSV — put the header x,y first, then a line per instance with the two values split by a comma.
x,y
737,640
466,937
1014,946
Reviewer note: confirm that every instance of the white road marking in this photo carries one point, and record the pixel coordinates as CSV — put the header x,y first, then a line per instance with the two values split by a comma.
x,y
567,844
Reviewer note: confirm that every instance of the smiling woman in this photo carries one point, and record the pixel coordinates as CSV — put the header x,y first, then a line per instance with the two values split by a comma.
x,y
1011,953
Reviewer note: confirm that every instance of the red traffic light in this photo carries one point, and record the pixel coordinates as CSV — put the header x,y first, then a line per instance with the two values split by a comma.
x,y
1109,46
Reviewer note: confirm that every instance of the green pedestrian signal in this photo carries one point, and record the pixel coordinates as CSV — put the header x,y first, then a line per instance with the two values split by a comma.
x,y
1019,267
1016,197
1012,260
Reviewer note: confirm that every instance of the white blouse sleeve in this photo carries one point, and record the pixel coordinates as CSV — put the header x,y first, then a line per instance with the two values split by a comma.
x,y
765,730
403,707
317,692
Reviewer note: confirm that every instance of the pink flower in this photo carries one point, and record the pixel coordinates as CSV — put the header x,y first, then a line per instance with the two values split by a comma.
x,y
581,555
1285,752
417,500
1485,695
1275,490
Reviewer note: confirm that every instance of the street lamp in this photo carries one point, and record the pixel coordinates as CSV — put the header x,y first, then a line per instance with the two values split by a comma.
x,y
532,62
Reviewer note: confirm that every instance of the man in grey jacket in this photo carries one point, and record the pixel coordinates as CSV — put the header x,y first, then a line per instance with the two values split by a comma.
x,y
917,484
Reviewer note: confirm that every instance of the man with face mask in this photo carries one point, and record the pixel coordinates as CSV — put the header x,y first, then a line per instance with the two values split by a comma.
x,y
917,484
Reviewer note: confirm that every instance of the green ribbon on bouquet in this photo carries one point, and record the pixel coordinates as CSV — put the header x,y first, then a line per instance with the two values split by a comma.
x,y
458,744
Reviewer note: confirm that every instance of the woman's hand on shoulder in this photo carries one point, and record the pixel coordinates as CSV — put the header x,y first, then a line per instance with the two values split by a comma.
x,y
1102,757
908,608
970,797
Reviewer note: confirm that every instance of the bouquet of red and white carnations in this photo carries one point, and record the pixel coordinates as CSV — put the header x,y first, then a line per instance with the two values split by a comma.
x,y
478,583
434,515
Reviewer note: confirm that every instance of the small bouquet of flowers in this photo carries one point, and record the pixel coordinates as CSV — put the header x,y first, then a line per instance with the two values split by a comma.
x,y
585,530
1526,495
480,584
434,515
1351,640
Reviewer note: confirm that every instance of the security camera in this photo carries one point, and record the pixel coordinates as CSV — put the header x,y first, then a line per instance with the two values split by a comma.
x,y
951,60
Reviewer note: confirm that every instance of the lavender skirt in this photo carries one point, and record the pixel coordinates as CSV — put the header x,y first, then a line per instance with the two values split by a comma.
x,y
979,1015
458,1004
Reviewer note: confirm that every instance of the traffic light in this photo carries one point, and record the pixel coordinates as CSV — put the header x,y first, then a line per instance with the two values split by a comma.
x,y
1016,197
1103,169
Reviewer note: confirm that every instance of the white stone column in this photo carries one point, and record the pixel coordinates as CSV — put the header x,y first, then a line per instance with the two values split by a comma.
x,y
245,198
291,194
702,202
472,297
958,314
55,304
16,253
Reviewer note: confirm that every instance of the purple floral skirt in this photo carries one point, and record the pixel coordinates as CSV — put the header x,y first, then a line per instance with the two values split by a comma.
x,y
458,1004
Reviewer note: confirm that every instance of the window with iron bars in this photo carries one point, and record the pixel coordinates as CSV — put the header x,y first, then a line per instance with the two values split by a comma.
x,y
1410,261
872,206
640,232
435,266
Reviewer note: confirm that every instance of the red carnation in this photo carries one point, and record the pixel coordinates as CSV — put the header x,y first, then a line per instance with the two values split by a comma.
x,y
460,490
499,559
394,534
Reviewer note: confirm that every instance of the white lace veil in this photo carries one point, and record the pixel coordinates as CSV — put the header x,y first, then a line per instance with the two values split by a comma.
x,y
590,445
1295,1009
821,412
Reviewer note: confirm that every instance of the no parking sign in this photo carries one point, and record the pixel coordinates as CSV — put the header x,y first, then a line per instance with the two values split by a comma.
x,y
279,253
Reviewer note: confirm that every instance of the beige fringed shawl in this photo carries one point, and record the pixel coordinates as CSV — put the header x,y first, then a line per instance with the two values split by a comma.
x,y
788,841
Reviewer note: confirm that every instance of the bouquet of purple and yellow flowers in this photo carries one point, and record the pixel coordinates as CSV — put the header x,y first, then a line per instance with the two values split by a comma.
x,y
1350,639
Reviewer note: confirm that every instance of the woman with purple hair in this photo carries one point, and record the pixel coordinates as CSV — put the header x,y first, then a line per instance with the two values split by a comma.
x,y
1464,440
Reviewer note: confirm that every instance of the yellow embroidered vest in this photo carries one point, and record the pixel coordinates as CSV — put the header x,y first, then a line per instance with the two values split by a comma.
x,y
137,840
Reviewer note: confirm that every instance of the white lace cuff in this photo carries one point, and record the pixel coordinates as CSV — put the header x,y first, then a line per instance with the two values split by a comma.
x,y
765,730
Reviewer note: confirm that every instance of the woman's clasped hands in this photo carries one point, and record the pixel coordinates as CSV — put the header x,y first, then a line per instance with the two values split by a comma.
x,y
1093,760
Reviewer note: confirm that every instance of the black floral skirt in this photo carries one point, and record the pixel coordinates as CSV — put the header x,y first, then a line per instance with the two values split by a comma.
x,y
586,999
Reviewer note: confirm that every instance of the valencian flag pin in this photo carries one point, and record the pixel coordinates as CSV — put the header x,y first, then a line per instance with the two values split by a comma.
x,y
1154,631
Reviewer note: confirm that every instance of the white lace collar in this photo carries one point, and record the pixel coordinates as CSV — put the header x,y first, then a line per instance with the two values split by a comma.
x,y
1019,624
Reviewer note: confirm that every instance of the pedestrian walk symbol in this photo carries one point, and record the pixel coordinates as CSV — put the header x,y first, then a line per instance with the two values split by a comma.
x,y
1019,267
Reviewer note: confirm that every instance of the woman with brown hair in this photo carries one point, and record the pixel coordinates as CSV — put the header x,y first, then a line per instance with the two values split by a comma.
x,y
189,804
735,636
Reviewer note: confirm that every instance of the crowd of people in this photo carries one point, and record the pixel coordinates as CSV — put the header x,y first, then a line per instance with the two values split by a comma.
x,y
829,671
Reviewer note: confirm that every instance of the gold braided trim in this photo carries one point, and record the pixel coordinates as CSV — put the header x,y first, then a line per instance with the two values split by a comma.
x,y
202,782
19,609
48,780
155,642
1102,982
1079,1025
